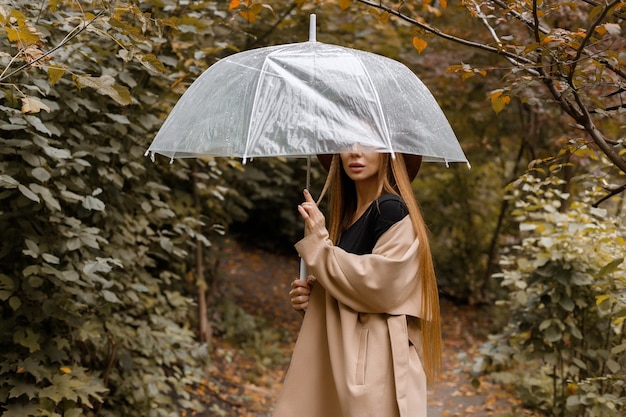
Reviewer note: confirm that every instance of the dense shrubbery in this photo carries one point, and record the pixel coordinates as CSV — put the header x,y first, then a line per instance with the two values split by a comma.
x,y
566,301
95,238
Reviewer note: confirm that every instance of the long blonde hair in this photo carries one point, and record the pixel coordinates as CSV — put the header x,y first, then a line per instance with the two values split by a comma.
x,y
393,179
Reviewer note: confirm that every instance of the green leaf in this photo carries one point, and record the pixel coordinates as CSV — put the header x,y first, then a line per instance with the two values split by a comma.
x,y
8,182
33,249
580,364
20,410
41,174
15,303
545,324
34,368
28,193
619,349
573,401
111,297
93,203
36,122
553,333
118,118
70,275
73,412
566,303
105,85
28,338
20,389
57,153
152,63
613,366
610,267
51,202
50,258
62,388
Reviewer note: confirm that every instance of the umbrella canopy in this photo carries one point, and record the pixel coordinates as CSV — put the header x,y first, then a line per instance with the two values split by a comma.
x,y
304,99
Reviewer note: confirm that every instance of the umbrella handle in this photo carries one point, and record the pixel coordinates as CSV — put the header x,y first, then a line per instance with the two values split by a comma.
x,y
303,273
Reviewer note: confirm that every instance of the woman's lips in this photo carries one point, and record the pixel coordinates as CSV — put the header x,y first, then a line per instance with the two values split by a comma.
x,y
355,167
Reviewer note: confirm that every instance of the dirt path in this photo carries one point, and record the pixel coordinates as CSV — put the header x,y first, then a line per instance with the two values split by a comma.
x,y
245,387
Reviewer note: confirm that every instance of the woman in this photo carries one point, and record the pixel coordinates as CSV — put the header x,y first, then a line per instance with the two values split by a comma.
x,y
371,334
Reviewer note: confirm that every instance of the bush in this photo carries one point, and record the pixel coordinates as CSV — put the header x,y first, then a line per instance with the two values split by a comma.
x,y
567,302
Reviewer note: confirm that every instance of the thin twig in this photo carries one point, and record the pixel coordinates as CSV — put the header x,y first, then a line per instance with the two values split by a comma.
x,y
536,22
495,36
533,26
587,38
612,192
73,33
378,5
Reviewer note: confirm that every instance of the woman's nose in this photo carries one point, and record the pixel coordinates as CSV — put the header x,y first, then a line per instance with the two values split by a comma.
x,y
356,149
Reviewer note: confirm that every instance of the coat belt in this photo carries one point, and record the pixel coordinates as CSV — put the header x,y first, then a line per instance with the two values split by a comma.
x,y
399,337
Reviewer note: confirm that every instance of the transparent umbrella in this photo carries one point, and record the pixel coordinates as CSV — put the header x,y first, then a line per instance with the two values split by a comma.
x,y
305,99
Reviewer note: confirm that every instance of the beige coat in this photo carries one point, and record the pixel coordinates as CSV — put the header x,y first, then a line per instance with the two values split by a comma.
x,y
357,352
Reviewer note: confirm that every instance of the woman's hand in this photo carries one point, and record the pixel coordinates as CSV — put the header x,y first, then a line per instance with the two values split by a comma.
x,y
313,217
300,293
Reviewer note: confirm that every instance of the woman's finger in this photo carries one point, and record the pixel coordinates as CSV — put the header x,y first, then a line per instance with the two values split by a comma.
x,y
308,197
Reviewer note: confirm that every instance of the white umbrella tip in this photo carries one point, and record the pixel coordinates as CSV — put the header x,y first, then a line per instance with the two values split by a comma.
x,y
312,23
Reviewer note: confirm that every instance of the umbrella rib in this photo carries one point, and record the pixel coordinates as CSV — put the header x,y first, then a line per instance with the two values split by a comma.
x,y
262,73
379,105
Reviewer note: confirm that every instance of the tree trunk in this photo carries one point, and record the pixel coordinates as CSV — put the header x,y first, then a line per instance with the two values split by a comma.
x,y
204,327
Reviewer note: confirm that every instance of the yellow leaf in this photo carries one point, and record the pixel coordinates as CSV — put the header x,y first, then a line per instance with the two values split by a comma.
x,y
251,12
256,8
602,298
19,17
32,105
55,73
105,85
613,29
54,4
152,63
495,94
499,101
22,34
601,30
384,17
66,370
419,44
248,15
549,39
344,4
572,388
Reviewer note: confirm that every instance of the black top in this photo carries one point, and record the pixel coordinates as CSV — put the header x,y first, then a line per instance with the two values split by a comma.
x,y
361,237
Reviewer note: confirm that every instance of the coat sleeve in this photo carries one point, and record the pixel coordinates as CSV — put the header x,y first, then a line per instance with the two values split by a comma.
x,y
384,281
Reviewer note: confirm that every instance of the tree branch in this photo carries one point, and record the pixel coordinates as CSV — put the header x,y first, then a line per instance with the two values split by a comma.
x,y
587,122
613,192
427,28
261,38
535,27
585,41
73,33
536,22
495,36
